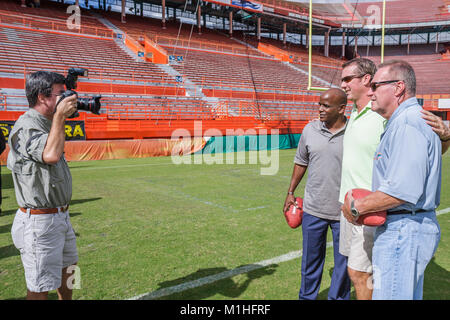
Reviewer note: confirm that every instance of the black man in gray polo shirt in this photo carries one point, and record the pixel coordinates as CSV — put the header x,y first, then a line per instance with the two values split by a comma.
x,y
320,151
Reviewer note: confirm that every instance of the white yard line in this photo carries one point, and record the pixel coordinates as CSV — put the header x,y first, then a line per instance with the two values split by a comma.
x,y
230,273
442,211
216,277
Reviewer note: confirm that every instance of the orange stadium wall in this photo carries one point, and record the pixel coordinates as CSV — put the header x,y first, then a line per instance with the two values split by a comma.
x,y
276,52
119,139
134,46
12,83
122,149
101,128
154,53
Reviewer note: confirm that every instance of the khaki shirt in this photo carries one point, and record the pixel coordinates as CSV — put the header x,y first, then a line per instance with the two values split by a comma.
x,y
37,185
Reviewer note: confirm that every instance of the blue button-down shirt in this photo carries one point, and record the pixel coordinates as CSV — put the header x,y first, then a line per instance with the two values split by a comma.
x,y
407,162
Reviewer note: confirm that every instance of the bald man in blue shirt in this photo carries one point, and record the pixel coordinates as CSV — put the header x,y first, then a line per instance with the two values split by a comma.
x,y
406,182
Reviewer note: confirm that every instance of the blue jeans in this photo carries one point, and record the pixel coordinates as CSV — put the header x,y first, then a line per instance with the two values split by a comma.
x,y
314,249
403,247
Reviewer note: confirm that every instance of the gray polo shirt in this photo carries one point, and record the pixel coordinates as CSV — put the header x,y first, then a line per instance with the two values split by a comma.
x,y
37,185
321,151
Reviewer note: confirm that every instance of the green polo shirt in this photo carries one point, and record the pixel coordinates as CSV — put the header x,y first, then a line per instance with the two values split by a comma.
x,y
361,139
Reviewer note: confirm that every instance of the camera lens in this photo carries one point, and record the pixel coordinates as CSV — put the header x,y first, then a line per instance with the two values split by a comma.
x,y
89,104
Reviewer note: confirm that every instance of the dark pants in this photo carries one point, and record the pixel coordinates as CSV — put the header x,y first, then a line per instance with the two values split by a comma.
x,y
314,248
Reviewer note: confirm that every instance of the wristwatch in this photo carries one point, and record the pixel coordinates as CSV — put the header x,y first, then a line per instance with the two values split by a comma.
x,y
355,212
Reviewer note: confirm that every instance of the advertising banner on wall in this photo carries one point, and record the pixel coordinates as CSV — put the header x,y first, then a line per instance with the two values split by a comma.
x,y
248,5
241,4
74,129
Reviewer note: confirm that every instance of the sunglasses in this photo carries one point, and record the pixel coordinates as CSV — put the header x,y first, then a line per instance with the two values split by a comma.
x,y
375,85
350,78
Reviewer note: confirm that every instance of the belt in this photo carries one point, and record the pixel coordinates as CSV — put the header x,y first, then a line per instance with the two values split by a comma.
x,y
406,211
45,211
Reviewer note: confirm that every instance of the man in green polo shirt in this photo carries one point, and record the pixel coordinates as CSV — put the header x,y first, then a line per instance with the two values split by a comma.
x,y
361,139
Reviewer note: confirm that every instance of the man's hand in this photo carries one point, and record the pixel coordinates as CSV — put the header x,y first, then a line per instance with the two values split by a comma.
x,y
437,124
290,200
54,147
66,107
346,208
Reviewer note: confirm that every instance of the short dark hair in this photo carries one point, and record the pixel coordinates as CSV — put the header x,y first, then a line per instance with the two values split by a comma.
x,y
339,95
41,82
402,70
364,66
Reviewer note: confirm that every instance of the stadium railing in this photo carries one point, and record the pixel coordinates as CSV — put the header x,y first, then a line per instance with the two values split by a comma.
x,y
207,45
53,25
102,75
139,27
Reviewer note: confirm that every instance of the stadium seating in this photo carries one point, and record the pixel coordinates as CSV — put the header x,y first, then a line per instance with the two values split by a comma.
x,y
277,109
107,62
156,108
272,110
26,50
326,68
299,52
52,16
179,35
53,10
207,62
235,79
327,73
427,65
210,69
405,12
129,107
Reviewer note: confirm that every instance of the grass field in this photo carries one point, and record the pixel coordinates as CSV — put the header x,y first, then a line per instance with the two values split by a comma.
x,y
147,224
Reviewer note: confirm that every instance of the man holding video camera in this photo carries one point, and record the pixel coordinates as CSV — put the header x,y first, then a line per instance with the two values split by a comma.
x,y
42,230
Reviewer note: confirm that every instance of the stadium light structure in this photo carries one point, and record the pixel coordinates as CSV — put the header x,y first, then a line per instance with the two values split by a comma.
x,y
310,87
382,31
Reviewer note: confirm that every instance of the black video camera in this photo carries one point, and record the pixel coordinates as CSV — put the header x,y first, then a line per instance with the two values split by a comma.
x,y
89,104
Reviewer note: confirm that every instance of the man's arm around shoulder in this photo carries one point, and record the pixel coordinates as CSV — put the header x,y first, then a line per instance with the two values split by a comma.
x,y
438,126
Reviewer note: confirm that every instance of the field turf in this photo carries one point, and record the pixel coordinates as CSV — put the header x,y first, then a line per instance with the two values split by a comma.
x,y
148,224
